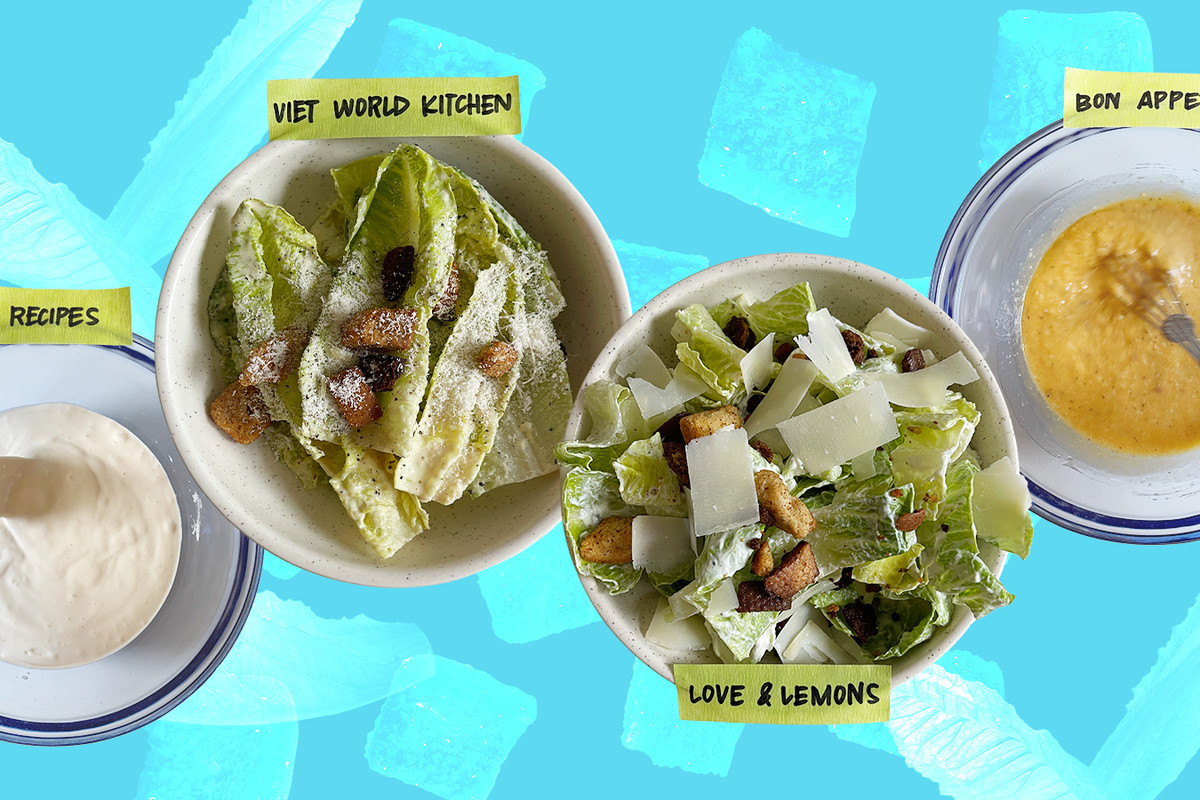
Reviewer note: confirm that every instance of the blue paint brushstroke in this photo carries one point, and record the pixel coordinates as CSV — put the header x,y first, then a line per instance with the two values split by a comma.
x,y
450,735
536,593
652,726
48,239
190,762
1158,735
223,116
411,48
967,739
1033,52
787,135
649,270
328,666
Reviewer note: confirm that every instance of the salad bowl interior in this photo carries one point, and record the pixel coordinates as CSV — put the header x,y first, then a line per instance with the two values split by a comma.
x,y
853,293
258,493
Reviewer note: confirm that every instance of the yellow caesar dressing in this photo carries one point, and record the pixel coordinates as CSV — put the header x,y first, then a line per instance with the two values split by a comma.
x,y
1105,370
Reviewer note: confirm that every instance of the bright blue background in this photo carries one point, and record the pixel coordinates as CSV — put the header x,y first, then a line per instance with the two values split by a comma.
x,y
630,86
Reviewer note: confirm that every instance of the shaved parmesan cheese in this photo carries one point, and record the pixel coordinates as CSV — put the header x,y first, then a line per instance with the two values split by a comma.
x,y
655,402
644,363
722,478
661,544
797,618
1000,504
781,400
686,634
723,599
825,346
758,364
894,329
927,387
839,431
814,646
863,466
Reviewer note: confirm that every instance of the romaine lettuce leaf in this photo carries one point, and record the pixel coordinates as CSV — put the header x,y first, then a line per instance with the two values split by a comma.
x,y
858,525
589,496
647,480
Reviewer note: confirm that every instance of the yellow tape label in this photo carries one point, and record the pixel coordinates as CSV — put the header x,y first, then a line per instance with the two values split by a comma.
x,y
65,316
1094,99
784,694
323,108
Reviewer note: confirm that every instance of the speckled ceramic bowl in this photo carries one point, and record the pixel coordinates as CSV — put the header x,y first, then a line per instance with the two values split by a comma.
x,y
261,496
853,293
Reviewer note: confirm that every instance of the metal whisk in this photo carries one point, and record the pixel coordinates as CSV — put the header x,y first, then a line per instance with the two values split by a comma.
x,y
1145,287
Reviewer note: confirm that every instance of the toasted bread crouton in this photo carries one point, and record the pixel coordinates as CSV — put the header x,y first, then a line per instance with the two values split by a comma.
x,y
702,423
910,521
797,570
397,271
276,358
381,370
778,508
676,455
753,596
240,411
379,329
498,358
912,360
861,619
354,397
739,332
611,542
856,346
763,562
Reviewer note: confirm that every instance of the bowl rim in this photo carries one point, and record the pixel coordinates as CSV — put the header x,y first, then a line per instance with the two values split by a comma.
x,y
628,630
945,277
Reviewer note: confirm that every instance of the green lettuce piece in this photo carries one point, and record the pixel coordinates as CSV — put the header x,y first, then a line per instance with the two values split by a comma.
x,y
647,480
858,525
386,518
784,313
735,634
723,555
408,204
898,573
458,423
1000,504
589,496
957,568
932,439
613,421
705,348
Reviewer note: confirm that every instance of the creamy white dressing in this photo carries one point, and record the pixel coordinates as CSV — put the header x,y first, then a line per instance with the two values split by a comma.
x,y
90,534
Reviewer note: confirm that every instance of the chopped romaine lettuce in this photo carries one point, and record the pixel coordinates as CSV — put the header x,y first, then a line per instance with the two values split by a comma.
x,y
897,532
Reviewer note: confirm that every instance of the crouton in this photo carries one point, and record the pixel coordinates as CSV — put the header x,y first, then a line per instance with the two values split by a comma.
x,y
785,350
912,360
354,397
753,596
856,346
702,423
797,570
397,270
498,358
676,455
381,370
763,449
276,358
778,508
739,332
669,430
241,412
611,542
910,521
860,618
763,562
379,329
